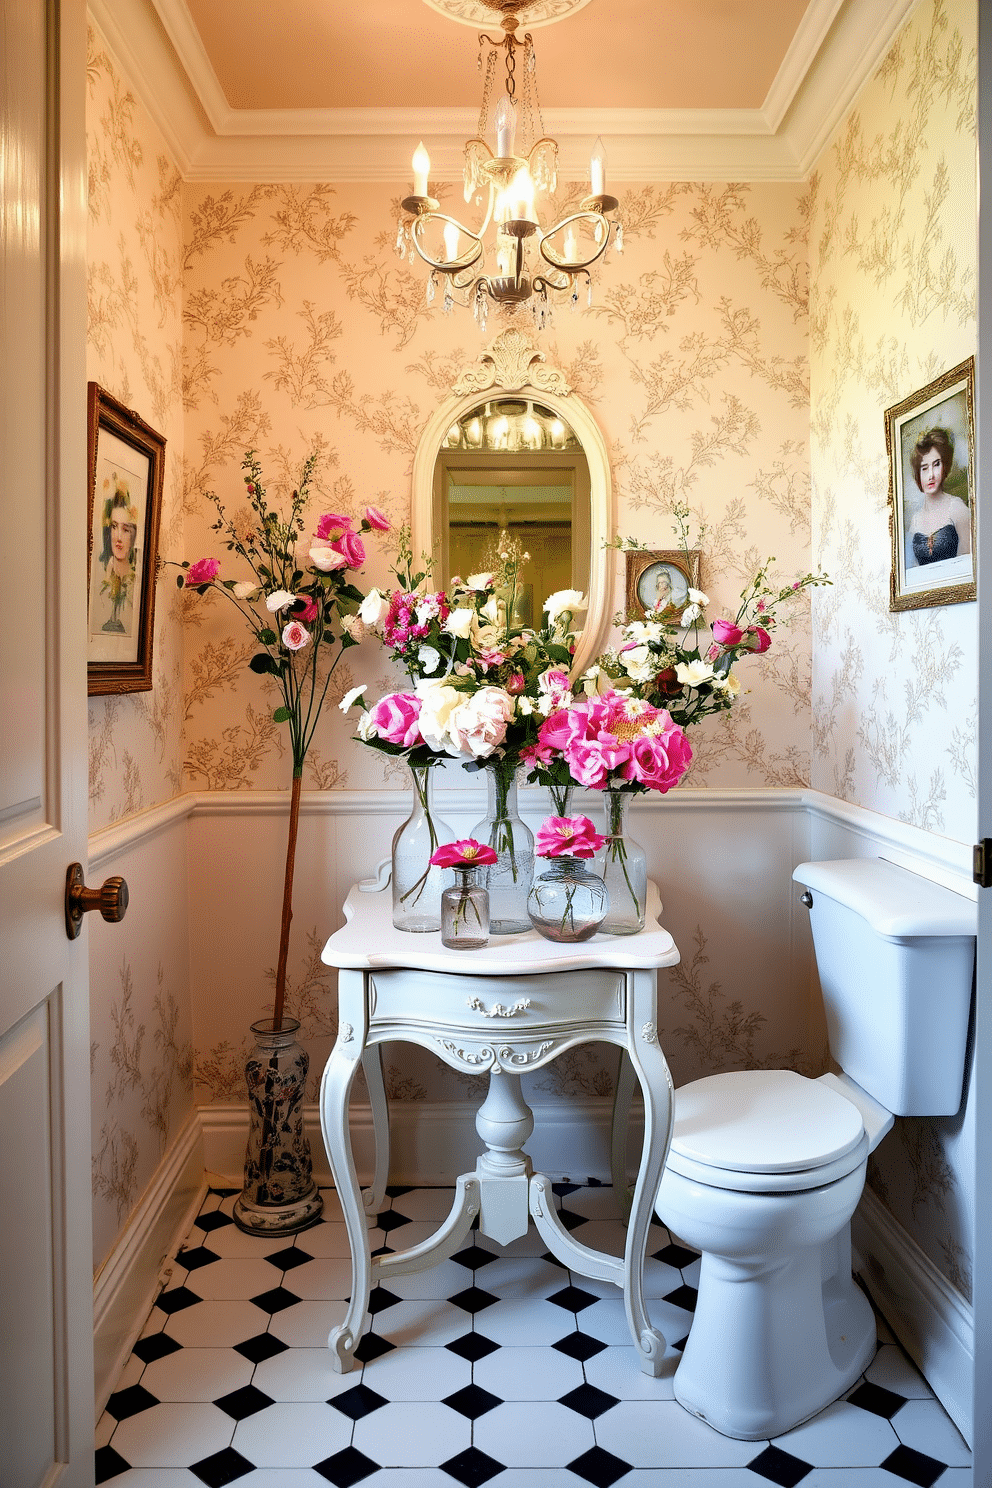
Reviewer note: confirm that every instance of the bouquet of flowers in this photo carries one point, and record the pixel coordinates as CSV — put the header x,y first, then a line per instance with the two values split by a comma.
x,y
296,609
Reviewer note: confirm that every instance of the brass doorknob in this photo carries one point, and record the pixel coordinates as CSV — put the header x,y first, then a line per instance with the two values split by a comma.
x,y
111,899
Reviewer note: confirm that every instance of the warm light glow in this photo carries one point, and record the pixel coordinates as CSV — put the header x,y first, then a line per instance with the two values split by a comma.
x,y
451,241
597,169
498,432
506,127
571,244
421,170
521,196
557,434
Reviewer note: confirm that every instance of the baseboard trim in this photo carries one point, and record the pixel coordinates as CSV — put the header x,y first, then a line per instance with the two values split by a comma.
x,y
932,1321
129,1280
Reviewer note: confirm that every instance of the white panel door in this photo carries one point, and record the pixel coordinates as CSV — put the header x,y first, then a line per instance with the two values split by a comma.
x,y
46,1266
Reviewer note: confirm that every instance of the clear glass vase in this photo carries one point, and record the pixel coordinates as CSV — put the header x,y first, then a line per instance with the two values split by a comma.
x,y
280,1195
568,901
508,880
417,885
465,913
625,870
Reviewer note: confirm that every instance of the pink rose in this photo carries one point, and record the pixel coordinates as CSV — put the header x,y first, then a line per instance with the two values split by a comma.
x,y
658,761
327,558
309,611
567,836
350,545
376,519
203,571
561,729
590,761
465,854
396,718
725,633
294,636
758,638
331,526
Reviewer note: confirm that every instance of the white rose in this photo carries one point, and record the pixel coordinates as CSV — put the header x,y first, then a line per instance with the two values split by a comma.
x,y
694,673
570,600
326,558
429,658
637,662
244,589
436,705
350,696
691,614
478,726
478,581
696,596
366,729
459,623
279,600
373,609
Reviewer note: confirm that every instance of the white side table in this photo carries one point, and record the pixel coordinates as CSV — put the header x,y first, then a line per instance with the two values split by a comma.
x,y
514,1005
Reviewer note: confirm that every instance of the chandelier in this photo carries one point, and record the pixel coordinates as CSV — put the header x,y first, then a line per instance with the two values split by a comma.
x,y
510,258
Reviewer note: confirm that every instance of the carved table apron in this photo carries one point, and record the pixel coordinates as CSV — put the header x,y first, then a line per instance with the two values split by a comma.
x,y
514,1005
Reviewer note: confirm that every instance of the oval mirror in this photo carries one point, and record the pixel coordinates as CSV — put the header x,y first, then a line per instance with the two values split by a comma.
x,y
518,464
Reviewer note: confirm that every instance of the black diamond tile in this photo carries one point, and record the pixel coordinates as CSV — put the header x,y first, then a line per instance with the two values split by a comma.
x,y
572,1298
240,1404
197,1257
780,1467
472,1402
554,1261
359,1402
599,1467
561,1189
390,1220
276,1300
473,1347
221,1467
224,1193
373,1347
877,1399
215,1220
587,1401
913,1467
473,1299
286,1260
396,1190
676,1255
109,1464
474,1257
177,1299
155,1346
579,1346
380,1298
126,1403
570,1220
346,1468
263,1346
681,1343
683,1296
472,1468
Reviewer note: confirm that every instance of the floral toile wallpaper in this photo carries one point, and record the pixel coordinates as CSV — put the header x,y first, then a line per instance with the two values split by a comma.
x,y
277,317
895,696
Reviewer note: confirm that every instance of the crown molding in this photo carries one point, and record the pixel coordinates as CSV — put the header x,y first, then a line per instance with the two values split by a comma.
x,y
836,49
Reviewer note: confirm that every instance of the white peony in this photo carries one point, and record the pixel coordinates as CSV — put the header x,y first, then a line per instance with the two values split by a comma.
x,y
490,610
478,725
437,702
278,600
564,601
638,663
459,623
373,609
326,558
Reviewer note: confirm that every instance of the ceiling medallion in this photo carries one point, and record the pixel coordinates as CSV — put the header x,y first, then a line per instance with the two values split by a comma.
x,y
511,258
477,13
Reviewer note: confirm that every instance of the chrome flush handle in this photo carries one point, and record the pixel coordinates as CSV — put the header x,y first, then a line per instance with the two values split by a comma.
x,y
806,898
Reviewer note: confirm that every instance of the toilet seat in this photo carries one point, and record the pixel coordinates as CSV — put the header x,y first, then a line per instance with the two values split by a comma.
x,y
765,1131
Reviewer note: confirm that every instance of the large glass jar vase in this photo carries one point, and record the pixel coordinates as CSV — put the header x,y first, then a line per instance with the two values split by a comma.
x,y
417,884
280,1195
625,870
567,901
508,880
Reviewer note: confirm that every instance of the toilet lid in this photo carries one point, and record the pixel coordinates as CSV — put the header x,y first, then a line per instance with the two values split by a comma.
x,y
763,1121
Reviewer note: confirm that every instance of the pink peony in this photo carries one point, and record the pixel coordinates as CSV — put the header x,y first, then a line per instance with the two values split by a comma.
x,y
376,519
725,633
331,526
567,836
203,571
295,636
758,638
465,854
396,718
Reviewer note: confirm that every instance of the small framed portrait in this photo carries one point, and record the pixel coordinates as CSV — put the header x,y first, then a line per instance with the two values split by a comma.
x,y
656,580
930,439
126,461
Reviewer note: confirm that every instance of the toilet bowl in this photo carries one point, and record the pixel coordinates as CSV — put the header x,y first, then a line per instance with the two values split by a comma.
x,y
766,1167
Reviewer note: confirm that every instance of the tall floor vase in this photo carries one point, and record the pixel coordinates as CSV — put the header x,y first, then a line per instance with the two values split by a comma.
x,y
625,870
508,880
279,1195
417,886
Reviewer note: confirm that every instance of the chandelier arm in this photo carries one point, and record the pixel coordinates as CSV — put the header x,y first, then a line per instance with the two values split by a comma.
x,y
573,266
448,266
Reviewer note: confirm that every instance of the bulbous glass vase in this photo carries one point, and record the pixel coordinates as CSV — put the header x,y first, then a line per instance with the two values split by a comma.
x,y
568,901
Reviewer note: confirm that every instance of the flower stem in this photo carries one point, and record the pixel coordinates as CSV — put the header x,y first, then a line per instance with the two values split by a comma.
x,y
287,900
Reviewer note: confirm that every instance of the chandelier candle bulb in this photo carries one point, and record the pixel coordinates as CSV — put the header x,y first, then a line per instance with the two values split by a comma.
x,y
597,170
421,170
506,128
451,241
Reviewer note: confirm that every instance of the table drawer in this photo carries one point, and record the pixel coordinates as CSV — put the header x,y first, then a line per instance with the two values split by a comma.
x,y
483,1004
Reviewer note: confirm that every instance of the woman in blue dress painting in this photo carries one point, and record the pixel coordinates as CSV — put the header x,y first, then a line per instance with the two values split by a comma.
x,y
941,528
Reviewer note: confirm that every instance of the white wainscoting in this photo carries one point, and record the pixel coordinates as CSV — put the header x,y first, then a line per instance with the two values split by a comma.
x,y
725,856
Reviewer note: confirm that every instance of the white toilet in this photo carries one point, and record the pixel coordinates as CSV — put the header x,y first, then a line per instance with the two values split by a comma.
x,y
766,1167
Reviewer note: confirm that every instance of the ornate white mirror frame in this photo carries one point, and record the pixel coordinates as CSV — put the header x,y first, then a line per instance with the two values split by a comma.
x,y
510,365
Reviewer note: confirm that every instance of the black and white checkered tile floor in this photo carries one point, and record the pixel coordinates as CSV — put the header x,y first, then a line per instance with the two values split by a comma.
x,y
495,1366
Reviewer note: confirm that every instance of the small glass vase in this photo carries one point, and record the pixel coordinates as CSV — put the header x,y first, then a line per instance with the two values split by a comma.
x,y
465,913
568,901
280,1195
508,880
417,885
625,870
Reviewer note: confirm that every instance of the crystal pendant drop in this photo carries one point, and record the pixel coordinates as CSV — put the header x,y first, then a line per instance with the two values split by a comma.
x,y
400,236
619,237
431,286
448,304
589,295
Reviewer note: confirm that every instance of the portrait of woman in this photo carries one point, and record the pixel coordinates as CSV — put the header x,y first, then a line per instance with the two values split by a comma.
x,y
660,585
112,593
941,526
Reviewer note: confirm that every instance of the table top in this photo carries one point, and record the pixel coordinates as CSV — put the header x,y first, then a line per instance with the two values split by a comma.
x,y
369,941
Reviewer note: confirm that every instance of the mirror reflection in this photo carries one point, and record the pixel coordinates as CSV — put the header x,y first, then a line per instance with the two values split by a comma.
x,y
511,476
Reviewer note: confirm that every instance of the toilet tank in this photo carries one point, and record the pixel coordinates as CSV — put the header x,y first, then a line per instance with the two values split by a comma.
x,y
896,957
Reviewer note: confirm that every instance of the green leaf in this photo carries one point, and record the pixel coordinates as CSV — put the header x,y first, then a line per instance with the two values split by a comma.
x,y
281,715
348,591
180,581
263,662
267,637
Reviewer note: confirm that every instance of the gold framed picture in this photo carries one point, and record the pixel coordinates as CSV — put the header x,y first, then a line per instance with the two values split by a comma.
x,y
657,579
